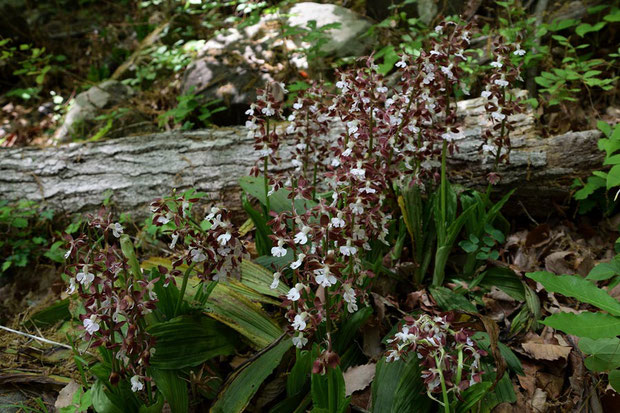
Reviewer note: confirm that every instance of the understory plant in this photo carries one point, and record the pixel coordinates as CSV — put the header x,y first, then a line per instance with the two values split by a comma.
x,y
596,190
329,222
26,234
598,330
357,168
137,319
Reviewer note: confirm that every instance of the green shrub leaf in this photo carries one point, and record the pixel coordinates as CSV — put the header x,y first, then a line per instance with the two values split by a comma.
x,y
579,288
592,325
604,353
614,380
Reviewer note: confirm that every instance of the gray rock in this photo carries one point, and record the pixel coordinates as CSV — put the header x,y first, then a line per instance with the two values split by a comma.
x,y
88,105
345,40
427,10
233,64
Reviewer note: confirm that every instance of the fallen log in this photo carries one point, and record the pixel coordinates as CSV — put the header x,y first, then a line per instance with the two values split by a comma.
x,y
135,170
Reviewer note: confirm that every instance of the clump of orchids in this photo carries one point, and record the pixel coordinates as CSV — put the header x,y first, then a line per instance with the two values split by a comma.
x,y
392,132
117,295
450,358
116,298
389,135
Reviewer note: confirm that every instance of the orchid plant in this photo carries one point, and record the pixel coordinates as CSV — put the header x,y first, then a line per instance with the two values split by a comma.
x,y
331,183
394,133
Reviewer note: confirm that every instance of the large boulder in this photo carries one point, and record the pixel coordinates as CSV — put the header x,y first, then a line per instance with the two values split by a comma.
x,y
343,41
237,61
87,106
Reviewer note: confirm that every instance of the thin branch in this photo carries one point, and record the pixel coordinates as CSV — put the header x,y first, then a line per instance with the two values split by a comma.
x,y
41,339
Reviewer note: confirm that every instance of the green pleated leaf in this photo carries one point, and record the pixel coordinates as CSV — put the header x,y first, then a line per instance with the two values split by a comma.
x,y
259,279
243,384
472,395
449,300
244,316
122,401
55,313
349,328
328,391
300,373
512,361
278,201
398,387
155,407
130,253
173,387
579,288
235,303
188,341
506,280
604,353
592,325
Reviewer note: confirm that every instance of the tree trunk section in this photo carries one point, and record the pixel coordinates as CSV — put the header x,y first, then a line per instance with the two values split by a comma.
x,y
134,170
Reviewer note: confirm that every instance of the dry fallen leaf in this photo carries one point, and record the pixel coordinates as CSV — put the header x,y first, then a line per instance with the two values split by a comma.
x,y
551,383
559,262
546,351
358,377
528,380
539,401
65,397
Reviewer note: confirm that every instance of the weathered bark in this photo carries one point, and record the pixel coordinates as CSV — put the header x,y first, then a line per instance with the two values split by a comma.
x,y
137,169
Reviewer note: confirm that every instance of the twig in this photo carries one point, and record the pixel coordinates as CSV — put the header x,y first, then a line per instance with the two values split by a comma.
x,y
41,339
527,213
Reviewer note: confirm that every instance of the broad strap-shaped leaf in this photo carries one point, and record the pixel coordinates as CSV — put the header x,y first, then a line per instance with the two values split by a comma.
x,y
506,280
587,324
502,393
233,306
259,279
47,317
449,300
300,373
261,236
130,253
398,387
604,353
349,328
243,383
173,388
278,201
121,401
472,395
244,316
512,361
328,391
579,288
254,283
188,341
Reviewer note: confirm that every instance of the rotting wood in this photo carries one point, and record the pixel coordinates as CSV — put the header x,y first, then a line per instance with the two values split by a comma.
x,y
137,169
